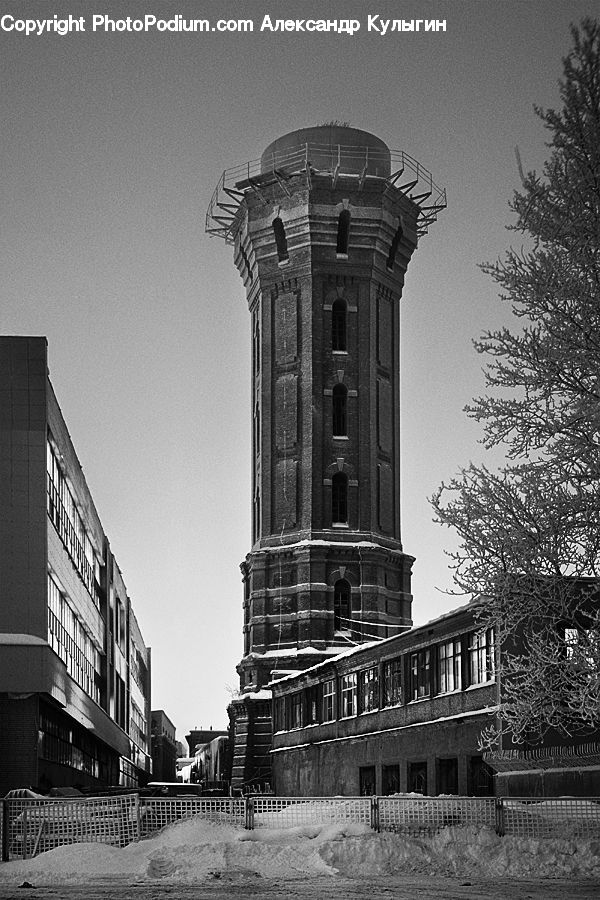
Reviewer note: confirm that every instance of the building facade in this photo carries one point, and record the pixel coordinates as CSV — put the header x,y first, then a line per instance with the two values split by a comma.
x,y
400,715
164,747
323,229
74,668
406,715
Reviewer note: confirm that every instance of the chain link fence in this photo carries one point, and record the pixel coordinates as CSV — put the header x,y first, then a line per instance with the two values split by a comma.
x,y
29,827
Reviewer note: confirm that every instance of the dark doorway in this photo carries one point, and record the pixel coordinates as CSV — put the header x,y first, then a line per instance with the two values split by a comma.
x,y
366,777
390,779
480,778
447,780
417,778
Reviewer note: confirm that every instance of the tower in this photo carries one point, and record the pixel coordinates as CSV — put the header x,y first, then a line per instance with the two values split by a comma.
x,y
323,228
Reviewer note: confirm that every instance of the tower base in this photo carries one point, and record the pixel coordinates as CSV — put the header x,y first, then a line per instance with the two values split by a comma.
x,y
251,729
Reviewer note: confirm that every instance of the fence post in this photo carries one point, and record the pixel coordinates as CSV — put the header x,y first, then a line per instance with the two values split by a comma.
x,y
500,818
25,830
4,830
138,817
249,813
375,813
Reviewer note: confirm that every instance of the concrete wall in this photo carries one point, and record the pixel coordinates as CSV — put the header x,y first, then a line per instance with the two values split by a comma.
x,y
330,768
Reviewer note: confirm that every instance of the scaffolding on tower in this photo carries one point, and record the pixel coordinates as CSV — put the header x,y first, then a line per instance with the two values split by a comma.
x,y
308,161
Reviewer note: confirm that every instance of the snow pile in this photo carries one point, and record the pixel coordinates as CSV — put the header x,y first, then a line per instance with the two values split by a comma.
x,y
192,850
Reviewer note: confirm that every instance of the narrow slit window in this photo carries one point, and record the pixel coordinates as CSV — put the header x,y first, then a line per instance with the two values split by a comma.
x,y
339,404
343,233
338,325
341,605
394,247
280,240
339,497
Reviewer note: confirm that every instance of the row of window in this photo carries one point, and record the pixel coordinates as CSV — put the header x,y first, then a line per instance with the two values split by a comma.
x,y
342,242
480,782
73,747
63,513
69,640
138,726
450,666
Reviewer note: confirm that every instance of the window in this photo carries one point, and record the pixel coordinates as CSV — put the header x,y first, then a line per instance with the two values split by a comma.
x,y
339,404
419,674
447,776
341,605
296,710
256,516
256,349
394,247
63,512
366,780
390,779
256,429
417,778
343,233
312,705
280,240
68,639
120,625
481,656
329,700
348,694
339,498
582,649
392,682
120,703
369,689
449,666
480,778
338,325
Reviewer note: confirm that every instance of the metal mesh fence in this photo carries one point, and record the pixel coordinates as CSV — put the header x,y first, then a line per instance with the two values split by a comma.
x,y
286,812
564,817
29,827
156,813
423,815
34,826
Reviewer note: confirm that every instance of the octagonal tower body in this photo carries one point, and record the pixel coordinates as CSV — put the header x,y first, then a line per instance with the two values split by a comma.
x,y
323,232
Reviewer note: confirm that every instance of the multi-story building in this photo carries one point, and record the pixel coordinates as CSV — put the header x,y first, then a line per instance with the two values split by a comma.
x,y
323,228
164,746
74,668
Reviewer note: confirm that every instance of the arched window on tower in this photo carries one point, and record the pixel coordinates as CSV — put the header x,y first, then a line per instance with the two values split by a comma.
x,y
257,515
280,240
338,325
339,498
394,246
339,409
343,233
341,605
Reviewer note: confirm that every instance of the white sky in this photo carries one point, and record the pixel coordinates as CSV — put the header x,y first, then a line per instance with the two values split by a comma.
x,y
111,147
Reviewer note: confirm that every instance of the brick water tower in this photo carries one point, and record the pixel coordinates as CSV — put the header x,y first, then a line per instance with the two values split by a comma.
x,y
323,227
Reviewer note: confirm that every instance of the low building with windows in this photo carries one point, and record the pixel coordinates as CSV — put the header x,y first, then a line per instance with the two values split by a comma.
x,y
405,714
74,667
400,714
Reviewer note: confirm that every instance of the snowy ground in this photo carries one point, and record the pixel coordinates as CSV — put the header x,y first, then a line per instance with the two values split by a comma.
x,y
199,858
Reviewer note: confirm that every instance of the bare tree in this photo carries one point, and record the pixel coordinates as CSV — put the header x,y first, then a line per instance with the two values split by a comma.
x,y
530,532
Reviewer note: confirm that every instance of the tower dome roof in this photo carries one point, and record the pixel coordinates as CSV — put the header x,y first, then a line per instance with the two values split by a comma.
x,y
326,147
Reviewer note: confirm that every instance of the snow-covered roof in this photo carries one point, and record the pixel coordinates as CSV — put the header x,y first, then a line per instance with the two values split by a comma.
x,y
351,651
